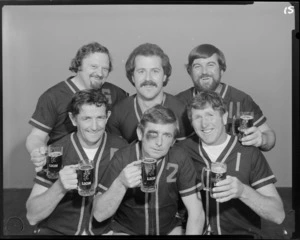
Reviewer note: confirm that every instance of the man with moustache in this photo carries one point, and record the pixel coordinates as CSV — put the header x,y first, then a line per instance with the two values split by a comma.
x,y
206,66
50,121
148,69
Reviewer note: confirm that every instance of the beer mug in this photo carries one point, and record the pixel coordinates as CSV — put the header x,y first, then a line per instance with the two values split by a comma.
x,y
54,161
148,175
86,178
232,128
246,121
216,173
44,151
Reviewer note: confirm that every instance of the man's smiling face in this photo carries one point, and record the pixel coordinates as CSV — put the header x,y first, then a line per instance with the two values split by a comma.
x,y
209,125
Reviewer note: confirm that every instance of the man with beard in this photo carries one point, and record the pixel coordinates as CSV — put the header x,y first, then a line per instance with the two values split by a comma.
x,y
50,121
148,69
152,213
206,65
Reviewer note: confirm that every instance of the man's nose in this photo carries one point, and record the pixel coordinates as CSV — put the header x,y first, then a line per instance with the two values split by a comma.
x,y
100,72
159,141
204,122
148,75
94,124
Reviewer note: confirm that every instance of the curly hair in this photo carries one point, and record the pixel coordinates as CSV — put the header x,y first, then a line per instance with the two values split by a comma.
x,y
204,99
87,96
205,51
159,115
86,50
148,49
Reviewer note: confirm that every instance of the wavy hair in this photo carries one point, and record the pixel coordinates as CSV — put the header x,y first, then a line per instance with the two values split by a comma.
x,y
85,51
205,51
148,49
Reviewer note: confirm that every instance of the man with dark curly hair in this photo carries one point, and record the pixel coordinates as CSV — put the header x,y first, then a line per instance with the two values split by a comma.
x,y
148,68
50,121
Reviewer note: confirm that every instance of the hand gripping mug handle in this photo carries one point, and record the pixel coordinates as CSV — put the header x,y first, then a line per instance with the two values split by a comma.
x,y
205,183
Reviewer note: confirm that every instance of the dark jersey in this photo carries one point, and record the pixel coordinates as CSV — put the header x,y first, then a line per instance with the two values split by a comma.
x,y
127,114
246,163
152,213
73,214
51,113
235,101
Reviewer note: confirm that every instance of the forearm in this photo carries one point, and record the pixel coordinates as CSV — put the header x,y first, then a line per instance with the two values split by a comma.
x,y
105,205
195,220
266,207
268,140
195,223
41,206
34,142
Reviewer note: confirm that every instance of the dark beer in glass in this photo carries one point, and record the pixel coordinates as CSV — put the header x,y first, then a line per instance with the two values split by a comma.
x,y
54,161
246,121
86,178
148,175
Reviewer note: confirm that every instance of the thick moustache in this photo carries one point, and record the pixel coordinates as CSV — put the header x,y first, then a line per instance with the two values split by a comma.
x,y
148,83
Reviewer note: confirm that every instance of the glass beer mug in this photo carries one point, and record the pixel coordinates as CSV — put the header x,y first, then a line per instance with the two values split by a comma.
x,y
245,121
212,175
148,175
86,178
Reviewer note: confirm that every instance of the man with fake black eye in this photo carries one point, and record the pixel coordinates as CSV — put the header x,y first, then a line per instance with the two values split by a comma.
x,y
139,213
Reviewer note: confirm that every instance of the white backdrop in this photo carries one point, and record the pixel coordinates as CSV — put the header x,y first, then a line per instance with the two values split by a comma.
x,y
40,41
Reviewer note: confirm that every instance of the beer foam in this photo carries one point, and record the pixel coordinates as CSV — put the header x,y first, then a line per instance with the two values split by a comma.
x,y
218,169
246,117
86,167
55,154
149,160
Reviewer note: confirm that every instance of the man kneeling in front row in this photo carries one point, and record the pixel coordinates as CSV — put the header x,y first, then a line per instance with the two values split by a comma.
x,y
137,212
238,202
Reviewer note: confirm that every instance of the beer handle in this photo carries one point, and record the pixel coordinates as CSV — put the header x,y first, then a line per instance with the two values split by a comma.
x,y
233,126
44,151
206,188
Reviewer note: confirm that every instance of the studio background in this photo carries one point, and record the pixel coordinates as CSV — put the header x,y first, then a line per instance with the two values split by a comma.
x,y
40,41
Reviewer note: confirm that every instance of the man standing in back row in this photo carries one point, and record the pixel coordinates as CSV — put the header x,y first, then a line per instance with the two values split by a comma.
x,y
206,65
148,69
50,121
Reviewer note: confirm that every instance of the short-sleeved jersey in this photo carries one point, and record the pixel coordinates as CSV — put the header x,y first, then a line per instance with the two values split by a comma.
x,y
152,213
249,165
235,101
51,113
73,214
127,114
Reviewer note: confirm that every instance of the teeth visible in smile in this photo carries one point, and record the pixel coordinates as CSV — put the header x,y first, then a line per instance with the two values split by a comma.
x,y
207,130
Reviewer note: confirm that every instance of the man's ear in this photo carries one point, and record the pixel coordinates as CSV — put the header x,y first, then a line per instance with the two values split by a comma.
x,y
108,115
72,119
165,78
139,133
221,73
133,81
225,116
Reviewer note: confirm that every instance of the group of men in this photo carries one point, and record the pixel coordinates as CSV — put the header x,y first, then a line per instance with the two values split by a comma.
x,y
94,119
